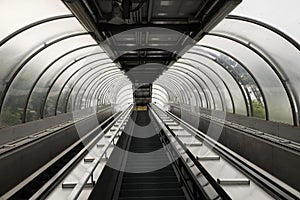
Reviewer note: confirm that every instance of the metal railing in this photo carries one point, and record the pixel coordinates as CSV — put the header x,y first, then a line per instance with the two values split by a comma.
x,y
196,189
270,184
42,192
89,172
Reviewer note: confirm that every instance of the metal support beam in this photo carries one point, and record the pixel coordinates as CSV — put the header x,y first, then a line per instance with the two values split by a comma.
x,y
125,27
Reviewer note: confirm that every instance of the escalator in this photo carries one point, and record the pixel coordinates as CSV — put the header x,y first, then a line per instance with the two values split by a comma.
x,y
148,173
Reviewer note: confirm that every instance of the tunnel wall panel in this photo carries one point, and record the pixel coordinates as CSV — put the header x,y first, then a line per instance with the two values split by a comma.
x,y
277,160
30,158
13,133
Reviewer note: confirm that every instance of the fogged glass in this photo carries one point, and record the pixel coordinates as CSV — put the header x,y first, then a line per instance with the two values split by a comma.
x,y
249,87
85,91
195,97
223,92
284,55
77,80
14,52
179,96
198,86
277,101
170,94
22,13
60,67
79,85
182,84
70,75
106,86
45,80
283,15
212,94
222,77
91,96
17,94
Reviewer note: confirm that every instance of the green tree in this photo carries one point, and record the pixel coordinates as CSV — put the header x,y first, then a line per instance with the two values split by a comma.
x,y
258,109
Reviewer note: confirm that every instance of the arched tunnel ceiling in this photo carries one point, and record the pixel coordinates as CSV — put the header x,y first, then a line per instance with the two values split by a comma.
x,y
158,32
259,53
55,59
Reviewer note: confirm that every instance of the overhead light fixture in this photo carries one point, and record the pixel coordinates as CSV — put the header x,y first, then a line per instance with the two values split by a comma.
x,y
162,14
129,39
155,39
166,3
129,45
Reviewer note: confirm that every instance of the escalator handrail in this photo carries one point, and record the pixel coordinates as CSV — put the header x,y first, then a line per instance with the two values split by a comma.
x,y
80,185
207,175
272,185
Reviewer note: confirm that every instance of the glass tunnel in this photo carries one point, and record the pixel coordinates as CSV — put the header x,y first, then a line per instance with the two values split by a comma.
x,y
235,62
246,65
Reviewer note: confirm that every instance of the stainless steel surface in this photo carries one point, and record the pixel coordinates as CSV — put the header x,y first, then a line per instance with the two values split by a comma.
x,y
217,166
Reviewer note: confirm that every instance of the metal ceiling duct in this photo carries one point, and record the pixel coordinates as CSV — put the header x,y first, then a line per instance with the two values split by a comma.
x,y
106,6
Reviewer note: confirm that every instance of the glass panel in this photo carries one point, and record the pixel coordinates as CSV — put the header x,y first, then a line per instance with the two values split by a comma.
x,y
178,96
124,96
206,94
216,71
107,86
77,70
102,90
247,82
279,50
101,76
281,14
173,98
92,92
192,85
16,96
22,13
79,83
123,93
183,87
47,79
80,86
16,50
223,92
210,89
159,94
110,93
194,95
277,100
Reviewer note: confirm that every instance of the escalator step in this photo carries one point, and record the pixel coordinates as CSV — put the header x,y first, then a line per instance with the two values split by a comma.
x,y
161,184
152,185
149,159
150,192
150,179
154,198
148,156
158,173
144,164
